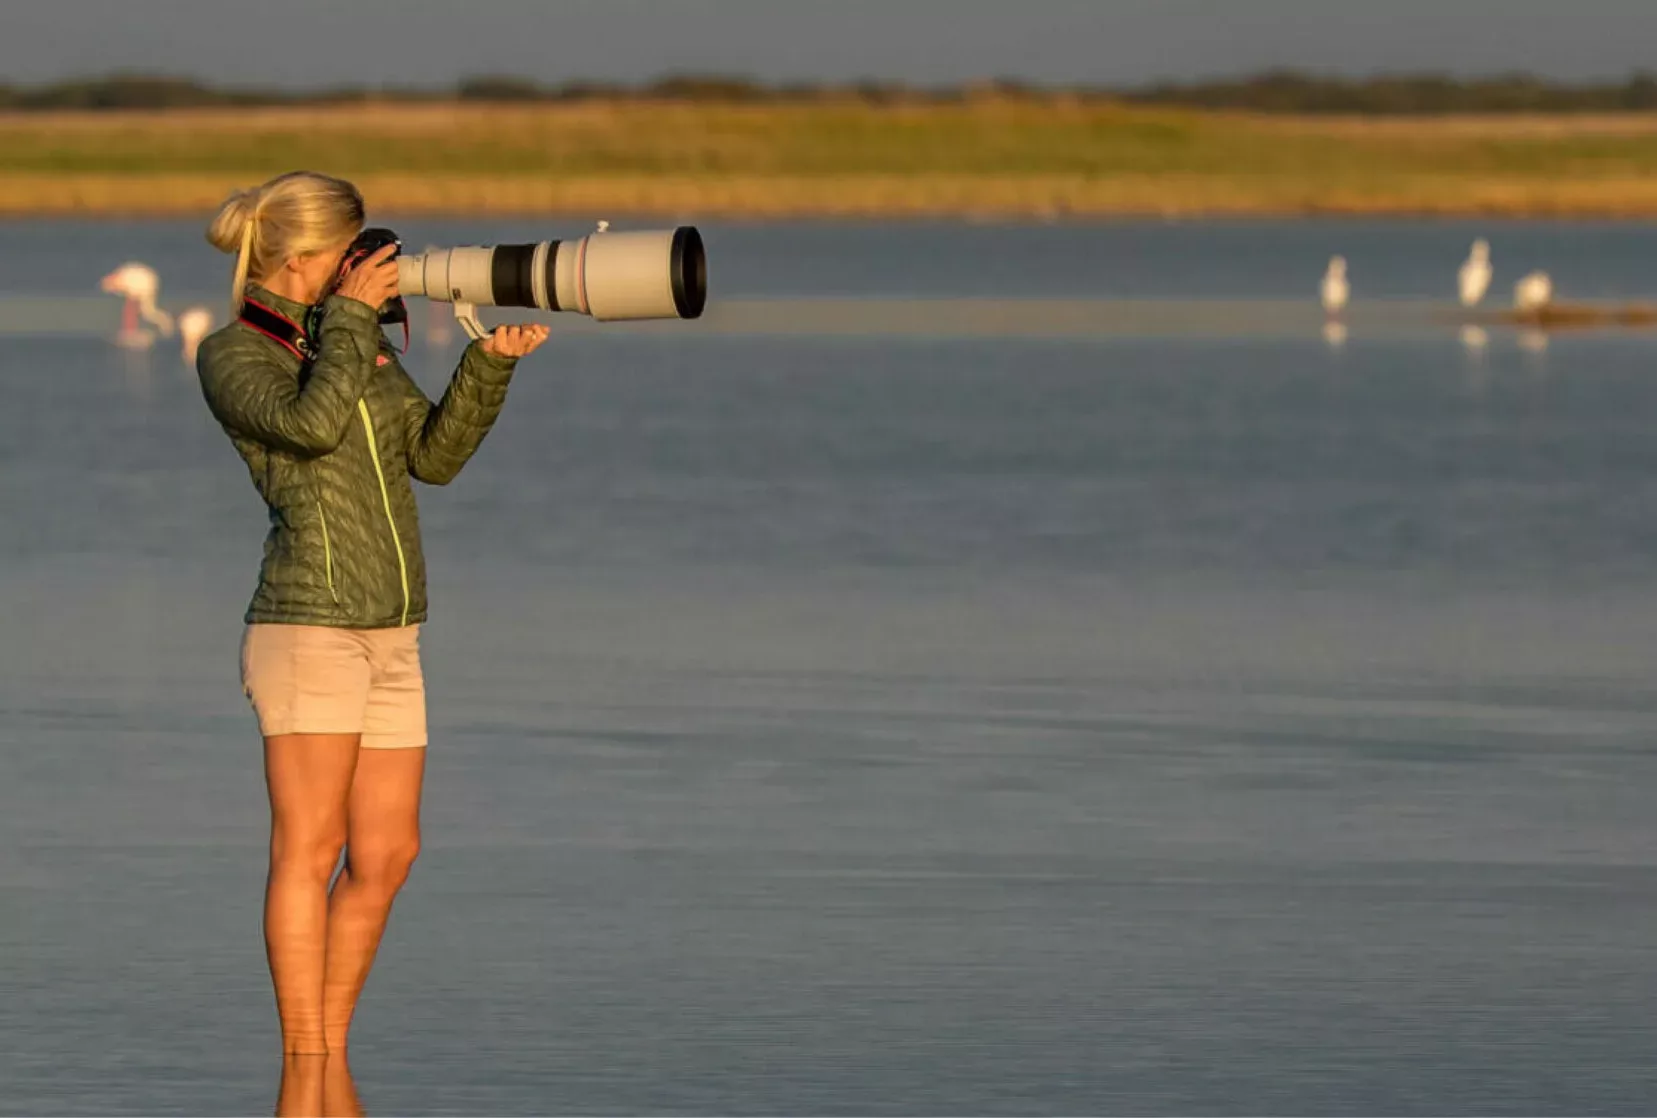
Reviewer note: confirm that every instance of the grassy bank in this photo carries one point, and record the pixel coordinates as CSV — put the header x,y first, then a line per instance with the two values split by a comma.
x,y
992,158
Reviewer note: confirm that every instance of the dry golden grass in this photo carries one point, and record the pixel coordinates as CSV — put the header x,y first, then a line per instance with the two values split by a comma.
x,y
1505,126
990,158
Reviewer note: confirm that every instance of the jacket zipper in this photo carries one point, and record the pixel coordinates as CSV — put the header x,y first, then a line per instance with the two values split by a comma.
x,y
385,496
327,554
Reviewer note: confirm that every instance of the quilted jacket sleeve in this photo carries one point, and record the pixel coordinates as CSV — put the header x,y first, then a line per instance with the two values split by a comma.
x,y
441,437
252,393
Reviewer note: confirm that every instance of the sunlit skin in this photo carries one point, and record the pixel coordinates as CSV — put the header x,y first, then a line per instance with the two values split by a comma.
x,y
328,795
317,1085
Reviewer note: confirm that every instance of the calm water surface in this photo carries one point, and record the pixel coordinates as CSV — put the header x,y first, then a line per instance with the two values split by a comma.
x,y
861,724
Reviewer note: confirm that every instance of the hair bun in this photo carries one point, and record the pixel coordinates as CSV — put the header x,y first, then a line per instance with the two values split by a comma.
x,y
230,226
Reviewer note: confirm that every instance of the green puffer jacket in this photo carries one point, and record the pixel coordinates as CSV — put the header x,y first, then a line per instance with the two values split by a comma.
x,y
331,450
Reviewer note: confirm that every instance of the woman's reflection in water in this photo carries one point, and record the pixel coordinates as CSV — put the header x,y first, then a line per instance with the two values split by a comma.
x,y
317,1085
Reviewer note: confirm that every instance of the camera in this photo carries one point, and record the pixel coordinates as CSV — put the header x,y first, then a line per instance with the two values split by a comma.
x,y
366,244
607,276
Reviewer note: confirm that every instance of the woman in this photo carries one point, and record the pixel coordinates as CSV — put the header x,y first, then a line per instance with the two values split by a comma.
x,y
332,430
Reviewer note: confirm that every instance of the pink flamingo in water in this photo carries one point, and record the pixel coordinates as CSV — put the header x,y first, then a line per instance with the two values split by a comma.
x,y
193,325
139,284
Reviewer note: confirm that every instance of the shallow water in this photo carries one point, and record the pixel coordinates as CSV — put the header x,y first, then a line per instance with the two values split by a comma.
x,y
850,722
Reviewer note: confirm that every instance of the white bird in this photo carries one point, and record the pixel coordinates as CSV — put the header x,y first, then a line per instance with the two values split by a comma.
x,y
139,284
1533,292
1336,291
1474,277
193,325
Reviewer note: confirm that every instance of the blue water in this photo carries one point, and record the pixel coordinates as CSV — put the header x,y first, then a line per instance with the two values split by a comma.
x,y
1156,260
863,725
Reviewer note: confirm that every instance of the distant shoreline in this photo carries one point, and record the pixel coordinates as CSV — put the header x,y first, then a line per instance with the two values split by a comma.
x,y
1277,91
829,199
991,161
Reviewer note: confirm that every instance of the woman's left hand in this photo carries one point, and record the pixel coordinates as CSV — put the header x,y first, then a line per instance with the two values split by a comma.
x,y
515,341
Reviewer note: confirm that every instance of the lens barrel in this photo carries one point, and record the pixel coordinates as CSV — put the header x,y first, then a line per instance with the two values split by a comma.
x,y
609,276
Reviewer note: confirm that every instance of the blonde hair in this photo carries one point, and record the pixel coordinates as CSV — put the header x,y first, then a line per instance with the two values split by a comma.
x,y
290,215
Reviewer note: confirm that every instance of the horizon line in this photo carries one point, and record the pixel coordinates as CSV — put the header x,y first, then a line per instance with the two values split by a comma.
x,y
1310,75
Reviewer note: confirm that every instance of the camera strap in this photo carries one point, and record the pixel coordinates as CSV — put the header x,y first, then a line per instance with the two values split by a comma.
x,y
291,335
279,328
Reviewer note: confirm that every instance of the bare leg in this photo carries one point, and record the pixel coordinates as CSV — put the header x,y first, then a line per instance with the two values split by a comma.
x,y
309,776
317,1085
384,837
301,1092
339,1091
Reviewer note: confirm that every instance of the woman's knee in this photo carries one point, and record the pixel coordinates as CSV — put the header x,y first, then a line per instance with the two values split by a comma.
x,y
382,865
310,852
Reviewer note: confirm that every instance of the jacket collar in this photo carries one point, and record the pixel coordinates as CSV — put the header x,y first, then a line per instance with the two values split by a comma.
x,y
287,308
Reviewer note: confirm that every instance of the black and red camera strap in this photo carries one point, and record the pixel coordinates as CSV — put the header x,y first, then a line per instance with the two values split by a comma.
x,y
278,327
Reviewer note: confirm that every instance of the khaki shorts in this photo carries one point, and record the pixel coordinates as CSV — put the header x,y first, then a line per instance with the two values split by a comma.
x,y
312,679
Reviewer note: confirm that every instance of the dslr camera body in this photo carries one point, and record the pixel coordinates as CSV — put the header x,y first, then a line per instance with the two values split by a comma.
x,y
366,244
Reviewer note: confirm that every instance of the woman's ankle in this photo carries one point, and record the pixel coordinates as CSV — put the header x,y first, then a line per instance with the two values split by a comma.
x,y
305,1043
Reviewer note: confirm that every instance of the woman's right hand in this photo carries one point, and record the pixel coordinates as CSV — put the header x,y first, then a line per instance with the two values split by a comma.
x,y
373,281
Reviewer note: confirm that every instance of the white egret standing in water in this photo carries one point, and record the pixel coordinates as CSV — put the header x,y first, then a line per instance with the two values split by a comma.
x,y
1474,277
1335,291
1533,292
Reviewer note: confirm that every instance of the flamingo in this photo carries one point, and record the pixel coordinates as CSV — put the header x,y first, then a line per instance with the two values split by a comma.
x,y
193,325
1474,277
139,284
1335,291
1533,292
